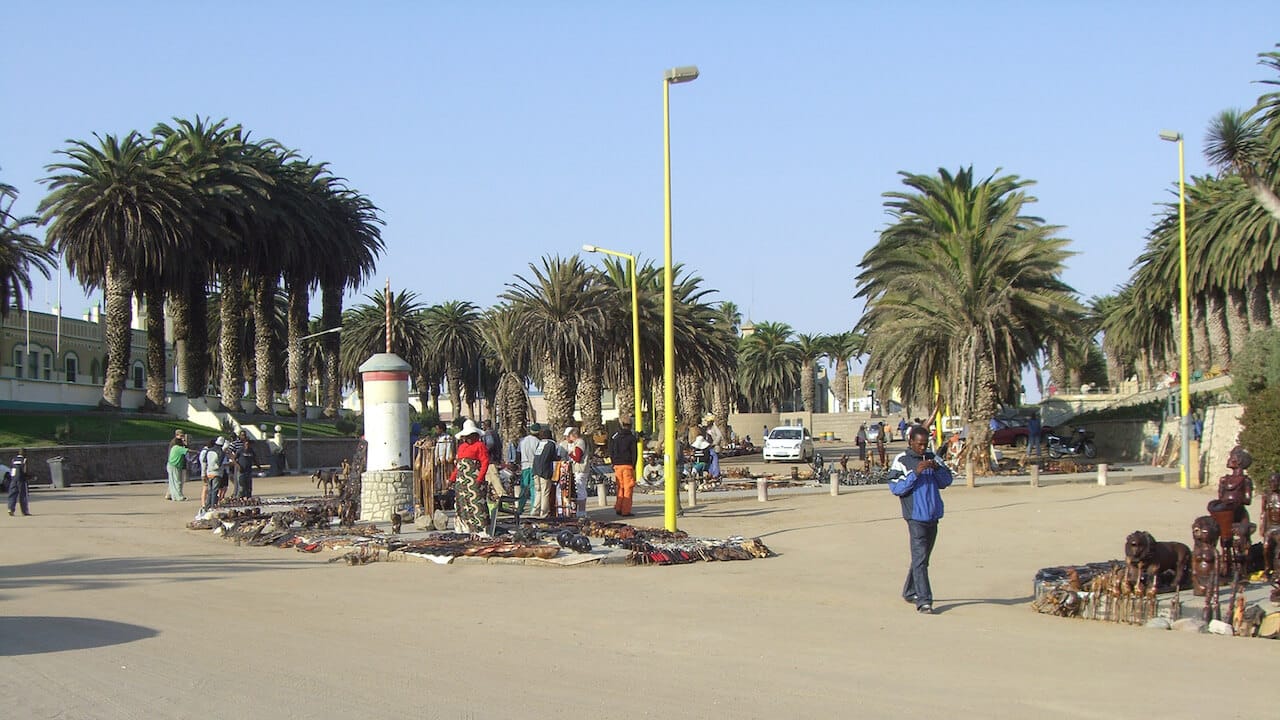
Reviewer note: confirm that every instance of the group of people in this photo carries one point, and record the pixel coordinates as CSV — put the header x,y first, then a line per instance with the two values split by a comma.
x,y
862,440
217,465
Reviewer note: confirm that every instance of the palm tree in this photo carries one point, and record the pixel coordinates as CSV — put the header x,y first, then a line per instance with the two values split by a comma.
x,y
453,338
841,348
20,251
113,207
226,187
1249,142
964,287
500,331
811,348
559,311
768,365
365,331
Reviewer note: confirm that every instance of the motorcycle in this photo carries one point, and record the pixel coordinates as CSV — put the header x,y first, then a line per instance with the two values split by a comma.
x,y
1080,443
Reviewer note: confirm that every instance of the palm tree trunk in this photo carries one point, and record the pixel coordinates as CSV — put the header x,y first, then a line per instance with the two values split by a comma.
x,y
1200,355
331,317
1216,323
453,379
840,387
1257,298
688,399
559,398
156,370
659,406
1237,320
298,313
1057,366
180,312
807,384
1273,298
233,310
512,404
720,407
118,289
625,395
589,392
264,293
1115,373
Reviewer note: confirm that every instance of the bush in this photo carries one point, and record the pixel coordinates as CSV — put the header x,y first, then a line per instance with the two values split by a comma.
x,y
353,426
1257,367
1261,433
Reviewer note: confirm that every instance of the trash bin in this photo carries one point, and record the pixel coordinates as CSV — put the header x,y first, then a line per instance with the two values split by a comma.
x,y
55,472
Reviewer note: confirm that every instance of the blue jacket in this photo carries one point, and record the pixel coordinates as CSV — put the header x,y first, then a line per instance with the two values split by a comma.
x,y
918,493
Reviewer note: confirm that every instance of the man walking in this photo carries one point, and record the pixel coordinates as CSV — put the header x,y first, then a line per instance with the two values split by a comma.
x,y
18,484
622,451
915,477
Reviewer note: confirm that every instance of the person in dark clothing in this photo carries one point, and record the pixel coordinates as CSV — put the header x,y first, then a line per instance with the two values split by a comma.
x,y
622,453
915,477
244,461
19,482
544,461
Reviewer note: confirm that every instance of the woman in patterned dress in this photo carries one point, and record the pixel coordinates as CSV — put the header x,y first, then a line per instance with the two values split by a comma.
x,y
471,464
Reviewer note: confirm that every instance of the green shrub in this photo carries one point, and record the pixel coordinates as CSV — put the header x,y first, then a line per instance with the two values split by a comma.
x,y
1257,367
1261,433
353,426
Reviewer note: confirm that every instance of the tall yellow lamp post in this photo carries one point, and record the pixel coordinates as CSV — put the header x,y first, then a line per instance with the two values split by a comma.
x,y
670,461
1184,465
635,349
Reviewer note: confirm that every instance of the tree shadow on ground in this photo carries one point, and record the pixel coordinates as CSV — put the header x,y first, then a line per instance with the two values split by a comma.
x,y
90,573
34,635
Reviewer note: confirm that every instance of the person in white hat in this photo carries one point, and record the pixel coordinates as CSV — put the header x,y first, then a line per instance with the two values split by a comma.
x,y
469,469
577,452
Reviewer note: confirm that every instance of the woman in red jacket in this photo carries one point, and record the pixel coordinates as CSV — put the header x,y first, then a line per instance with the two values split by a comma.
x,y
472,462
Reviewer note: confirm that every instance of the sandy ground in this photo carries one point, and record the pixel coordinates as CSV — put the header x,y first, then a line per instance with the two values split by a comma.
x,y
110,609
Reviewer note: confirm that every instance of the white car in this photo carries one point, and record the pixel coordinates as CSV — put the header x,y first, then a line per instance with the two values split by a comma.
x,y
788,443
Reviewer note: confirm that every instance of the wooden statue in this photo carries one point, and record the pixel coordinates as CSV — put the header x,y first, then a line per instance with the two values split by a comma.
x,y
1204,557
1271,527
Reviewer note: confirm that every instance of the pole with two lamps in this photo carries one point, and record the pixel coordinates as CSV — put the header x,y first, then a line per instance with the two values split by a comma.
x,y
301,401
1184,463
685,74
635,349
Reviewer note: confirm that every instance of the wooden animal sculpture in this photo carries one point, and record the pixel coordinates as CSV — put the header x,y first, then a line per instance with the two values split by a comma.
x,y
1142,552
1204,557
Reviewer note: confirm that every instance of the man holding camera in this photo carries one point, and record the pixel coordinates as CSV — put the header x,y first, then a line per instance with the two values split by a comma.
x,y
916,477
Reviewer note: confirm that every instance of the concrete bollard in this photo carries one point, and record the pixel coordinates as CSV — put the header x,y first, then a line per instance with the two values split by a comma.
x,y
693,493
762,489
835,485
1035,475
1102,473
602,494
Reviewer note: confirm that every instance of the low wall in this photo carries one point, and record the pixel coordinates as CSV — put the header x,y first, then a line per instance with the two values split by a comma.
x,y
133,462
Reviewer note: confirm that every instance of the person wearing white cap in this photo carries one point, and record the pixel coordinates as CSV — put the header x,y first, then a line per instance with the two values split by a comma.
x,y
577,453
472,462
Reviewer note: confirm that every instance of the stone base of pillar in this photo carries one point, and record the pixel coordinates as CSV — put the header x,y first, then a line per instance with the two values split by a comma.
x,y
383,492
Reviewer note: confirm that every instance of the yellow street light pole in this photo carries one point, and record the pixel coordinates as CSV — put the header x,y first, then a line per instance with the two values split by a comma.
x,y
1184,465
635,351
670,77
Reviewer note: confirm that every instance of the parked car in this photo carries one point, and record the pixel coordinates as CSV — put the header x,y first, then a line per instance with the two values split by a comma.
x,y
4,478
1012,431
788,443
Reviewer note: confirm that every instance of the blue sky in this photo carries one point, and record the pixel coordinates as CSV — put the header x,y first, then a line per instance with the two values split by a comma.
x,y
493,133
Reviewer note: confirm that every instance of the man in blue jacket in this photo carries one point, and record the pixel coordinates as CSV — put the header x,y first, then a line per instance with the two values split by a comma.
x,y
915,477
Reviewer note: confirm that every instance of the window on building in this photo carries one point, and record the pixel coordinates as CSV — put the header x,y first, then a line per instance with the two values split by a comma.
x,y
19,354
33,365
139,377
72,365
48,365
95,371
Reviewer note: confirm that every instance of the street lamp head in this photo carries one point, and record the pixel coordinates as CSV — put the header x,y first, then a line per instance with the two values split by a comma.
x,y
1170,135
687,73
590,248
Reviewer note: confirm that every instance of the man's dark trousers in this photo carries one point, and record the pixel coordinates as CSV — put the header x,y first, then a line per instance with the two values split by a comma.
x,y
923,536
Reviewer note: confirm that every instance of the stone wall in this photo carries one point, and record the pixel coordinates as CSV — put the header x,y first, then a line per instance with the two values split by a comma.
x,y
383,492
131,462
